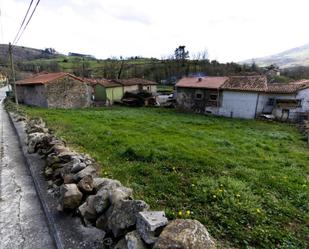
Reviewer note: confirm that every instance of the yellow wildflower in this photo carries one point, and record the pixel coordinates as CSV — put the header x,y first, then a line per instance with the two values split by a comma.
x,y
188,212
180,213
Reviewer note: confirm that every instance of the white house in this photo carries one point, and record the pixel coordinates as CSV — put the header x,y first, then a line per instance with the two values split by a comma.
x,y
244,97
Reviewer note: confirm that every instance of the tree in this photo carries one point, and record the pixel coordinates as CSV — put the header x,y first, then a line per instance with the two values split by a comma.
x,y
181,53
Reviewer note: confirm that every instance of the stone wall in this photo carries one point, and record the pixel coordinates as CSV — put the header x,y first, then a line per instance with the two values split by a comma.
x,y
106,203
68,93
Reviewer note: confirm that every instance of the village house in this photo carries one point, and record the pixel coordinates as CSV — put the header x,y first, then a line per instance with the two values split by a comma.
x,y
138,85
244,97
105,91
109,91
57,90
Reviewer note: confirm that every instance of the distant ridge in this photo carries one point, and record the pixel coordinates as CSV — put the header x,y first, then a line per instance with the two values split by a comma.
x,y
21,53
294,57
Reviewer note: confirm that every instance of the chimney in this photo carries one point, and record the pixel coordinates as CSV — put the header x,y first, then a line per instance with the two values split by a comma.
x,y
200,79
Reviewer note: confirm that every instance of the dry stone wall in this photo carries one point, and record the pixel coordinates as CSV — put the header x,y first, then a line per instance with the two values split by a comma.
x,y
106,203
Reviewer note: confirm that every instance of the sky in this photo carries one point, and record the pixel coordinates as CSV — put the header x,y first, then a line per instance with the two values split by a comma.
x,y
230,30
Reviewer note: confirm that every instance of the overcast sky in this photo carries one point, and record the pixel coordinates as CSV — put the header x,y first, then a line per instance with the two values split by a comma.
x,y
231,30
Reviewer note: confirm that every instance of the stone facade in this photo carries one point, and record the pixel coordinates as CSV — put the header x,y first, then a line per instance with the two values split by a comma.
x,y
65,92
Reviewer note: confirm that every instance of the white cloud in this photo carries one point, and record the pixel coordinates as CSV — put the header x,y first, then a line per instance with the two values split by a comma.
x,y
231,30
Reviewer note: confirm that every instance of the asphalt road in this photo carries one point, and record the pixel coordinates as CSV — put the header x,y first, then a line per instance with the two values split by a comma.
x,y
22,221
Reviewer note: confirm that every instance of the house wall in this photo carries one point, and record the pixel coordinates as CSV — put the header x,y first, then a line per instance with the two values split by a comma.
x,y
99,93
293,112
238,104
186,100
114,94
68,93
150,88
34,95
130,88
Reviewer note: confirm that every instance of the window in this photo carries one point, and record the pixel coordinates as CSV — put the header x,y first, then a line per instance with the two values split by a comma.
x,y
213,97
271,102
198,95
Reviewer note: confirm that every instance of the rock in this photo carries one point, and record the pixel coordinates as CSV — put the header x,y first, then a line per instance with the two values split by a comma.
x,y
122,216
48,172
51,160
33,140
101,200
70,196
66,156
134,241
86,184
88,171
101,222
37,128
106,183
184,234
120,193
68,179
77,167
122,244
87,211
149,224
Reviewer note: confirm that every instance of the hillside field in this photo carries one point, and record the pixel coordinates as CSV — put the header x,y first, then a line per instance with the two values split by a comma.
x,y
245,180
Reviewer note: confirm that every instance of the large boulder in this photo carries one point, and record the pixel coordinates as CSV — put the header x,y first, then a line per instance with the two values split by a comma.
x,y
184,234
150,224
134,241
121,217
88,171
70,196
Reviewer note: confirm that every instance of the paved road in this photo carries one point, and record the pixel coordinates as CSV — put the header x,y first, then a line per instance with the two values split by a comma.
x,y
22,221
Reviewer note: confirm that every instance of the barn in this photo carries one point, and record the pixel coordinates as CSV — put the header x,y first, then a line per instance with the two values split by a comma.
x,y
54,90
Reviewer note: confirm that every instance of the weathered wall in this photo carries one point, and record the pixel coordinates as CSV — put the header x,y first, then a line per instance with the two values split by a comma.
x,y
114,94
238,104
293,112
130,88
68,93
187,100
34,95
150,88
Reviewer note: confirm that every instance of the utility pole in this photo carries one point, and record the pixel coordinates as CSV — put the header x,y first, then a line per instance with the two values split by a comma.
x,y
13,72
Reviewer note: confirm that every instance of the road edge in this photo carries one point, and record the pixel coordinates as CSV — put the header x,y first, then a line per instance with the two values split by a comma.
x,y
49,218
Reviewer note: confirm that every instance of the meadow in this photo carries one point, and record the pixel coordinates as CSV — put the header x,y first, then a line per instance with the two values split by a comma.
x,y
245,180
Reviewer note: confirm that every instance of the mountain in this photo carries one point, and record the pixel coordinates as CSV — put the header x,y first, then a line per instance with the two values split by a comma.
x,y
290,58
24,53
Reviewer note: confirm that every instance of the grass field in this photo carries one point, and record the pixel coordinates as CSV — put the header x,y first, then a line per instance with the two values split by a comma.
x,y
247,181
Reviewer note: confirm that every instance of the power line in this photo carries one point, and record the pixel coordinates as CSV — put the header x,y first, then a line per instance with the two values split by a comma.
x,y
28,21
22,24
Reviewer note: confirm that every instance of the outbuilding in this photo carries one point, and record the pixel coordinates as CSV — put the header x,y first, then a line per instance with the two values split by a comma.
x,y
54,90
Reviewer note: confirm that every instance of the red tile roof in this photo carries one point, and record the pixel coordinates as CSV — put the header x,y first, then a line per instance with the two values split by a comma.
x,y
202,82
257,83
104,82
45,78
292,87
135,81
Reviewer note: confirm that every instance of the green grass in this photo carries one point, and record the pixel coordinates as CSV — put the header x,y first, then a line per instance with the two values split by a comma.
x,y
246,181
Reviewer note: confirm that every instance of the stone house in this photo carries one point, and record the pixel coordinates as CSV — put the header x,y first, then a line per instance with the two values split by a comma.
x,y
200,95
55,90
244,97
